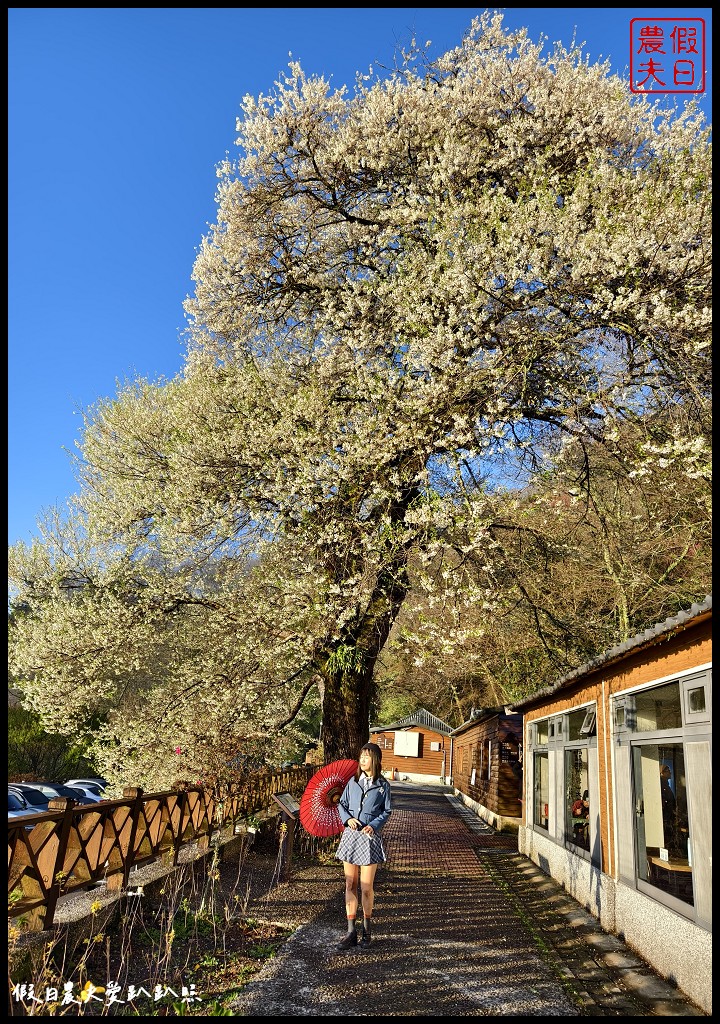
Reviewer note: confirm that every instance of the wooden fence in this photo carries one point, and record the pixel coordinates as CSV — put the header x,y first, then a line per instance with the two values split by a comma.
x,y
71,847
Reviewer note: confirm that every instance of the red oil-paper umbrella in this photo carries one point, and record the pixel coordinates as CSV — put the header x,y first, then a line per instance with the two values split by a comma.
x,y
318,805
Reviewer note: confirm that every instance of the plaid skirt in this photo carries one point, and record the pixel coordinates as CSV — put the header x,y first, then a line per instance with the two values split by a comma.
x,y
356,847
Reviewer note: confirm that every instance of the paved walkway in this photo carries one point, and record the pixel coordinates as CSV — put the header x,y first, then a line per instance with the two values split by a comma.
x,y
463,926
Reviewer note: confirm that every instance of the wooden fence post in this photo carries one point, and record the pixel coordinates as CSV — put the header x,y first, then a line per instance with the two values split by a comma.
x,y
66,805
181,802
134,793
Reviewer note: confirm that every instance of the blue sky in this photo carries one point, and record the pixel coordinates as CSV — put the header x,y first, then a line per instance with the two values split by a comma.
x,y
117,119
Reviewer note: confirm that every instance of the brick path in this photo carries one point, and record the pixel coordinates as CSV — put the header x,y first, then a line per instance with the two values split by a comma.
x,y
422,841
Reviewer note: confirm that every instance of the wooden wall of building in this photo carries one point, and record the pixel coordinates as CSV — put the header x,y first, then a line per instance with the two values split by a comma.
x,y
492,747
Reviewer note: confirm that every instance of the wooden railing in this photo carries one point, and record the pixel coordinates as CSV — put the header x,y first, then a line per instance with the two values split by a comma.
x,y
71,847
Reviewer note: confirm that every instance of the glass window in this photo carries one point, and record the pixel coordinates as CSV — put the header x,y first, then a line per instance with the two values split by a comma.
x,y
575,720
696,699
658,708
588,728
577,804
661,819
542,732
541,783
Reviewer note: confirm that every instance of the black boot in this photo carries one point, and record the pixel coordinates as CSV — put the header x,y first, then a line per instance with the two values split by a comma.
x,y
350,939
365,941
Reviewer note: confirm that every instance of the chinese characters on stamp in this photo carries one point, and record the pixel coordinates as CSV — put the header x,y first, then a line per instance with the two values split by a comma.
x,y
667,55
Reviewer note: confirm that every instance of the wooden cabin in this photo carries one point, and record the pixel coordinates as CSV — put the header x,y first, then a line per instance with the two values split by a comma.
x,y
416,747
487,766
631,731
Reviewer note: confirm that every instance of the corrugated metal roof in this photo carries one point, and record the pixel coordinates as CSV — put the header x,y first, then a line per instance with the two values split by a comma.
x,y
420,717
651,634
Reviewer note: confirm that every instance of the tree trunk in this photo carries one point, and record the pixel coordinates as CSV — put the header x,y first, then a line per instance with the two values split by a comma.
x,y
348,667
348,670
346,713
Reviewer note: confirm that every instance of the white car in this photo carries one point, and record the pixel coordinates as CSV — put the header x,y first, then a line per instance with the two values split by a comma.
x,y
37,802
96,785
55,789
18,806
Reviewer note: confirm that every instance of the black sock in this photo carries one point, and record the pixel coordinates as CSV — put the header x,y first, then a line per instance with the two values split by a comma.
x,y
367,921
351,925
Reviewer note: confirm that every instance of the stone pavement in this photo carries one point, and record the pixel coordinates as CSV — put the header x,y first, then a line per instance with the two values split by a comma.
x,y
463,926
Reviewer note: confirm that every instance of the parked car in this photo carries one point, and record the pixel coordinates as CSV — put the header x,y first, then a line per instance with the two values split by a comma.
x,y
94,782
17,805
87,787
35,800
56,789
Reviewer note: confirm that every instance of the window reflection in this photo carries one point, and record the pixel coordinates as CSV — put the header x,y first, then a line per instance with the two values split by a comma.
x,y
541,785
661,820
577,803
658,708
696,699
575,720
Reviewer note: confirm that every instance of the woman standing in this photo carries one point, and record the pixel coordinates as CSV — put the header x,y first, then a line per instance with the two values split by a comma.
x,y
364,808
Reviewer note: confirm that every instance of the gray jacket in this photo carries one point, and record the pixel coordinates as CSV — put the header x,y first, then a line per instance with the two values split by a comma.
x,y
371,807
